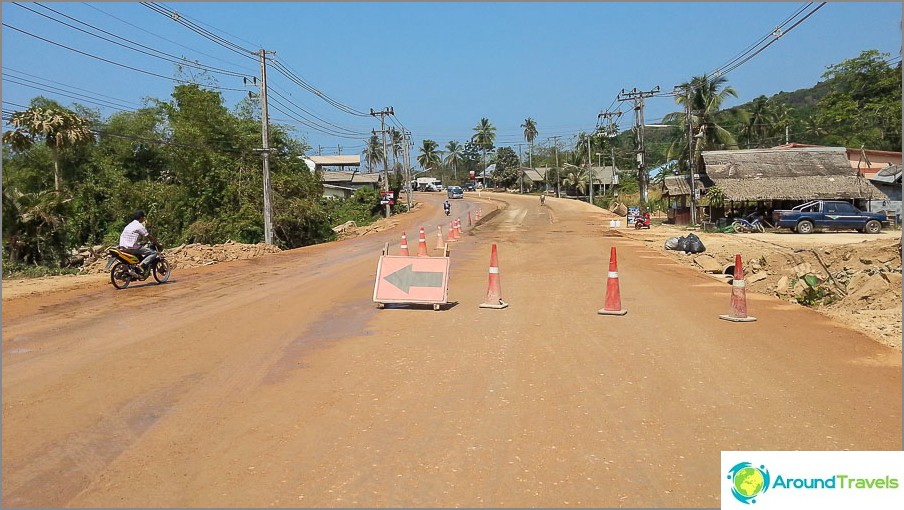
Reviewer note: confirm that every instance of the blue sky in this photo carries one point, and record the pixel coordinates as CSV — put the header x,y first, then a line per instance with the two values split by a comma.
x,y
441,66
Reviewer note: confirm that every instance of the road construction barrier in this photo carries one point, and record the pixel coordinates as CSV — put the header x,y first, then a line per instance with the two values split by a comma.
x,y
613,294
451,236
422,244
403,247
494,287
738,306
412,280
440,245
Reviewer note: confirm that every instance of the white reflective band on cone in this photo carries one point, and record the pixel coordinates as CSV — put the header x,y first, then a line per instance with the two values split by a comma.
x,y
494,270
738,283
613,274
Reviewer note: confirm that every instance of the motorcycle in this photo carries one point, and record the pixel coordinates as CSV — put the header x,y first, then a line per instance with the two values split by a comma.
x,y
448,211
642,222
126,267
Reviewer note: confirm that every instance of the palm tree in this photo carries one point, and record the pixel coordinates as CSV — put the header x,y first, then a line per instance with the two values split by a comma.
x,y
576,178
484,137
530,134
454,157
59,129
705,102
760,121
39,221
397,141
429,157
373,152
781,114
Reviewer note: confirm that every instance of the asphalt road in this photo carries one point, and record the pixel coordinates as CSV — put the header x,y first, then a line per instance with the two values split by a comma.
x,y
277,381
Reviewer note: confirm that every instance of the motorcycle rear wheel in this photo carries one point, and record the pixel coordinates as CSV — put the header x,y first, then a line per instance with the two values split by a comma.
x,y
162,271
120,276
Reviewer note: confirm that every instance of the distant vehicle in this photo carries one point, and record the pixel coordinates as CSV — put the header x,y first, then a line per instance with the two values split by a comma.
x,y
456,192
429,184
830,215
470,187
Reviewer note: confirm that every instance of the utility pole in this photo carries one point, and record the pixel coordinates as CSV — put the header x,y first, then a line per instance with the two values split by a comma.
x,y
407,156
611,134
688,91
590,168
383,114
265,148
520,174
638,97
556,142
340,149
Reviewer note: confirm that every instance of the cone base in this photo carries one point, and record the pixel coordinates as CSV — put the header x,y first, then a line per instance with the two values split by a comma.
x,y
737,319
502,304
603,311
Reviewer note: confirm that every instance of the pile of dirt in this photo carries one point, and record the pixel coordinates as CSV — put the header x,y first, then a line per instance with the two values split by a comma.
x,y
857,283
196,255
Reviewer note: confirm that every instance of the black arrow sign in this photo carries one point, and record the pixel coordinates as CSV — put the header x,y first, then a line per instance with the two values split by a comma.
x,y
406,278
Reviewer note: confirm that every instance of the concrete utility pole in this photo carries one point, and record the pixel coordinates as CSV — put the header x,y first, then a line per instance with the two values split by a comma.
x,y
407,137
383,114
611,134
265,148
556,146
590,168
638,97
339,147
691,155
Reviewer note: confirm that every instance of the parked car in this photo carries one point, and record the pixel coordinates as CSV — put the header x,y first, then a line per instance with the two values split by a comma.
x,y
830,215
456,192
470,187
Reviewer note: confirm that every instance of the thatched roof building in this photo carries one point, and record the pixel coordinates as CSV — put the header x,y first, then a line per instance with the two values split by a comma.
x,y
680,185
786,174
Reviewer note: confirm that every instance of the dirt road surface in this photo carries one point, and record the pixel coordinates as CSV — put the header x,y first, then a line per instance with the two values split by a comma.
x,y
276,381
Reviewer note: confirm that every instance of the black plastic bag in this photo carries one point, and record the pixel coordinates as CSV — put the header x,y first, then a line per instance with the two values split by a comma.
x,y
693,244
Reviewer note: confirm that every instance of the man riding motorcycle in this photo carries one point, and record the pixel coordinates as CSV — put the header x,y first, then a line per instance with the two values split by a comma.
x,y
128,240
447,207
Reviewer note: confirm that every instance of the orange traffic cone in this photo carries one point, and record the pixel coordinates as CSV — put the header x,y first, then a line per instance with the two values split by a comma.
x,y
613,295
494,290
403,248
439,238
458,234
478,214
738,311
451,231
422,244
455,230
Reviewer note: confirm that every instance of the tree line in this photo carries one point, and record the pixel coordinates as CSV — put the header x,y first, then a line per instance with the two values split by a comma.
x,y
72,178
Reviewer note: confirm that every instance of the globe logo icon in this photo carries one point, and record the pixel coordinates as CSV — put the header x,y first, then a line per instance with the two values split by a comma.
x,y
748,481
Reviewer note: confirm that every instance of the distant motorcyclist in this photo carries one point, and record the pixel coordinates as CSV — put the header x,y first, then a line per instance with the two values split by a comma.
x,y
128,240
447,207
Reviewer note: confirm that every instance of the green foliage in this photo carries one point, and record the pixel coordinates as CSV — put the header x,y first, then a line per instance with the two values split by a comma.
x,y
507,168
815,293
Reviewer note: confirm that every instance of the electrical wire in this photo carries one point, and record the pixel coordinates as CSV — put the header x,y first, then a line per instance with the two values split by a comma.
x,y
284,69
78,97
178,18
725,70
8,70
276,93
153,52
114,62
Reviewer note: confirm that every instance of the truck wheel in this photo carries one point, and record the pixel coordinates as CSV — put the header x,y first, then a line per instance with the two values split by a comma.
x,y
805,227
872,227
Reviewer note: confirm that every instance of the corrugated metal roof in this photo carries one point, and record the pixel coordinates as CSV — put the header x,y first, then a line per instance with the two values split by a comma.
x,y
349,160
351,177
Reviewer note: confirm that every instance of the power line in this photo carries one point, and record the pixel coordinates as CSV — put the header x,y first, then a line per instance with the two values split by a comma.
x,y
111,61
284,69
79,97
8,70
178,18
350,131
156,53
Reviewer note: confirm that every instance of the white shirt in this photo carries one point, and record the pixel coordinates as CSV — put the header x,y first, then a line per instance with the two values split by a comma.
x,y
130,234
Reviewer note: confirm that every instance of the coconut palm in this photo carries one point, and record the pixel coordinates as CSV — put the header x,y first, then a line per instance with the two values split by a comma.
x,y
577,178
429,157
484,137
38,223
397,141
781,115
373,152
760,121
59,129
705,101
454,157
530,134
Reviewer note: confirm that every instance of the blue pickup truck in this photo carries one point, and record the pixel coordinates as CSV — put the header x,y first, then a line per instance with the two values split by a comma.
x,y
829,215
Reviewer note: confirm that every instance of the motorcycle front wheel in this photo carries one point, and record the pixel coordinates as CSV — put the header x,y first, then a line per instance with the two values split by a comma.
x,y
161,271
120,276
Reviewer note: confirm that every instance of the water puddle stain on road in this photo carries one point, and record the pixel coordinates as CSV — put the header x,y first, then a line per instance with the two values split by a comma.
x,y
348,322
